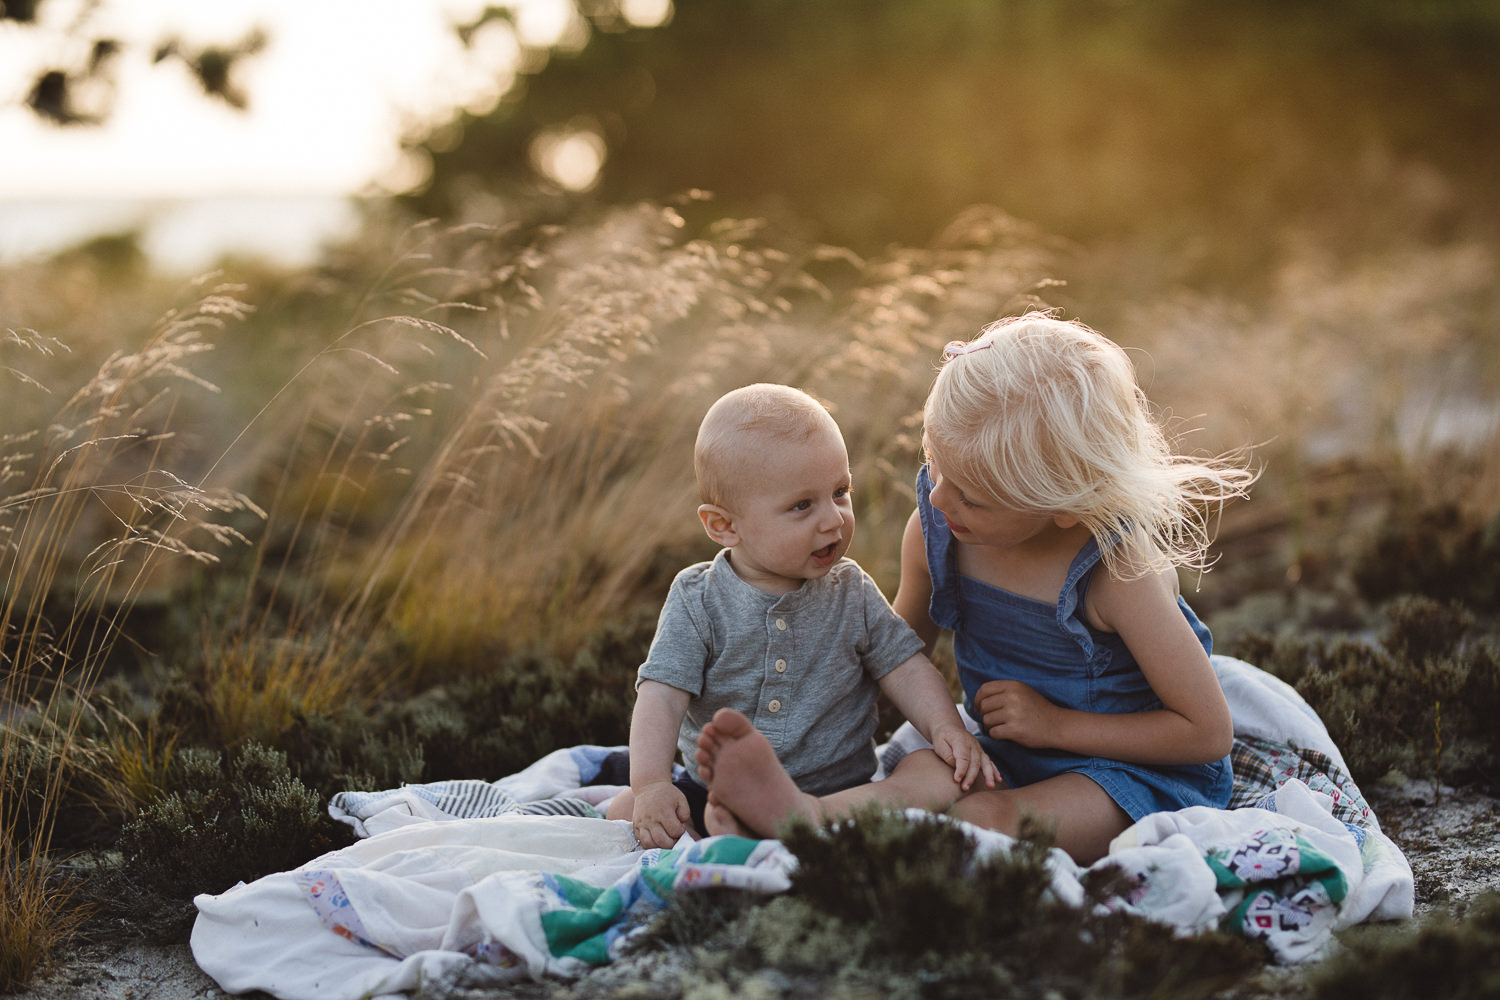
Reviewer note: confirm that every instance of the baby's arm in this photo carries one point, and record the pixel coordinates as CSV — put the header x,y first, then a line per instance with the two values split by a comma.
x,y
660,812
919,692
1192,727
924,697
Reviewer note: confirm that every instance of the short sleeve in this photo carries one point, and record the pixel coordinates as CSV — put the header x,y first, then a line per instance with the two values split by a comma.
x,y
888,641
680,650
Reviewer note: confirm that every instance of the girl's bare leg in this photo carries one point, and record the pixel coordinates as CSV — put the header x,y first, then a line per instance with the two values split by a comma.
x,y
746,780
1076,808
751,791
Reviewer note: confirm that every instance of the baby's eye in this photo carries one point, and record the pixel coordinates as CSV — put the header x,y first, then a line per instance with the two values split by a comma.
x,y
802,505
842,492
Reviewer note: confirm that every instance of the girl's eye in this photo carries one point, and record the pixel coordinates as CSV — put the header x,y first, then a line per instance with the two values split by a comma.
x,y
965,501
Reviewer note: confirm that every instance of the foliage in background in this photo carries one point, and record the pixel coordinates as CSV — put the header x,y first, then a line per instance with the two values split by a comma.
x,y
873,121
89,516
78,84
487,725
1437,552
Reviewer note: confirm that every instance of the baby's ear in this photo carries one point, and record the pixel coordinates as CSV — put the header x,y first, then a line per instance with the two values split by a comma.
x,y
719,523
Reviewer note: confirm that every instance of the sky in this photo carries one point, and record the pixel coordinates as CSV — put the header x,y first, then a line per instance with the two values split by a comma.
x,y
331,94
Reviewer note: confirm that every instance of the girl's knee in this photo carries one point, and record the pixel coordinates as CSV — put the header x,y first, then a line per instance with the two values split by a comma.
x,y
991,809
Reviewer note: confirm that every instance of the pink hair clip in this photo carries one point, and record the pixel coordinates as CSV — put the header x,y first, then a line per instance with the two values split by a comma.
x,y
957,348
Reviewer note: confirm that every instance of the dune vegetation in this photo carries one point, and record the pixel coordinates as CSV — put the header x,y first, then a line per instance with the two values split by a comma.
x,y
409,514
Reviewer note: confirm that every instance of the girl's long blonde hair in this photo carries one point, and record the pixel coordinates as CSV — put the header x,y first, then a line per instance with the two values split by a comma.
x,y
1046,416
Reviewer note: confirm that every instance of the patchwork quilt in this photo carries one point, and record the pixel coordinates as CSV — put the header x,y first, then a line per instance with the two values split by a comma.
x,y
488,883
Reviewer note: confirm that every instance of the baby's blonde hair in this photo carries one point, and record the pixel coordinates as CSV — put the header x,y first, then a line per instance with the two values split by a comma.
x,y
766,410
1046,416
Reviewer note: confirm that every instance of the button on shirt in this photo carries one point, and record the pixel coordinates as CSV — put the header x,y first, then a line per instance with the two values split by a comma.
x,y
803,666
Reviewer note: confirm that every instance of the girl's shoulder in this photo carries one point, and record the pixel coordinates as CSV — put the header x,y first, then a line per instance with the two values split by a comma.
x,y
1127,590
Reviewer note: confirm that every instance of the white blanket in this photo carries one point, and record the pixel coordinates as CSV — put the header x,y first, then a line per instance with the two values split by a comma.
x,y
491,882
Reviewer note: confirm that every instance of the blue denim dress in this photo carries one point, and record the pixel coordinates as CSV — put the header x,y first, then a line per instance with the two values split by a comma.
x,y
998,634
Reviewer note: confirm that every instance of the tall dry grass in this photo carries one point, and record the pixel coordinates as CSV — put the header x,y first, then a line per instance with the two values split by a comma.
x,y
88,513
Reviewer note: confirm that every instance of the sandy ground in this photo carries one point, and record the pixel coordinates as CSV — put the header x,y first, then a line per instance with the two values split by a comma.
x,y
126,972
1452,840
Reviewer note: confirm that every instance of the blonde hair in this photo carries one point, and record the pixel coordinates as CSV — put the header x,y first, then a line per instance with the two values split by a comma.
x,y
1046,416
763,410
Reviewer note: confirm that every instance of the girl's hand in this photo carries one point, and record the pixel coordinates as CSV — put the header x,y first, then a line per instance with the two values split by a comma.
x,y
1010,710
957,746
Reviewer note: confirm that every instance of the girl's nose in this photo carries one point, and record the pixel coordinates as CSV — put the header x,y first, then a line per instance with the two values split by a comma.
x,y
939,495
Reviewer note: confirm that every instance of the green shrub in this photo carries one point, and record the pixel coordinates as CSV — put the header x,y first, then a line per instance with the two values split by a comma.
x,y
482,726
24,787
915,875
227,819
60,771
528,705
1422,699
342,753
886,905
1445,956
1436,552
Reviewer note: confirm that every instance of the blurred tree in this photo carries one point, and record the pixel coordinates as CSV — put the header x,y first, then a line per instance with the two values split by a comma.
x,y
78,86
880,119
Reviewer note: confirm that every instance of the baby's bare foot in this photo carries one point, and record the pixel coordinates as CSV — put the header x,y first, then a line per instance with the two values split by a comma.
x,y
740,768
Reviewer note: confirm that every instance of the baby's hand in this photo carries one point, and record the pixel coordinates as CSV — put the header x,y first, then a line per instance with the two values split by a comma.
x,y
660,815
957,746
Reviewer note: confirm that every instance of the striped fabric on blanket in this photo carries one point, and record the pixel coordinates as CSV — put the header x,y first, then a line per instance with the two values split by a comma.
x,y
465,799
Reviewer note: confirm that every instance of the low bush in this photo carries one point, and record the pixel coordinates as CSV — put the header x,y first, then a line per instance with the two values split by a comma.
x,y
227,819
527,705
885,905
1447,955
1434,551
1421,698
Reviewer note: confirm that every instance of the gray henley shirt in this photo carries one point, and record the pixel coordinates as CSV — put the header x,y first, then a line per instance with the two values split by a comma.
x,y
802,666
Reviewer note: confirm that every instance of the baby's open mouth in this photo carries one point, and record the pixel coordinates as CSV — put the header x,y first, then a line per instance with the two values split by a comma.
x,y
826,551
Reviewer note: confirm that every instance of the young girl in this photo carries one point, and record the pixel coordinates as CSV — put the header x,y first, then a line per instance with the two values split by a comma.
x,y
1050,520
